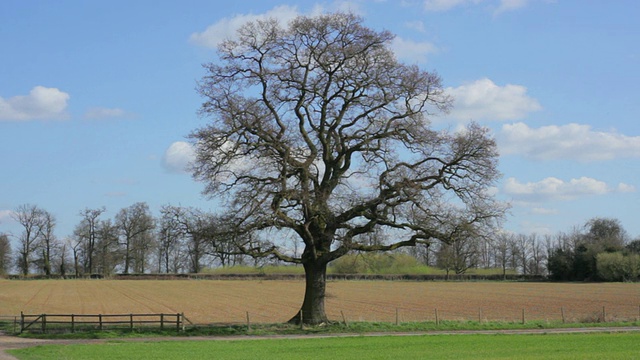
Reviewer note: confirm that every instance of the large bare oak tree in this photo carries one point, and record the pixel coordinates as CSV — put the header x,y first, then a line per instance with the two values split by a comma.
x,y
317,129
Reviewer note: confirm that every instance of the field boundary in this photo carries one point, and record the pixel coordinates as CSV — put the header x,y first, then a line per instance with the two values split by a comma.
x,y
261,276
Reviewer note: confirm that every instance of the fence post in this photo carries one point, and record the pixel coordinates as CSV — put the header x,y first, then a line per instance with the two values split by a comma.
x,y
21,322
301,321
161,321
437,320
480,316
604,314
344,319
178,322
248,323
562,313
397,318
44,323
523,318
100,321
131,322
73,324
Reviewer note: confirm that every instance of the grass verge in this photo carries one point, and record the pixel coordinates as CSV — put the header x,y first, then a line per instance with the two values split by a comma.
x,y
558,346
334,328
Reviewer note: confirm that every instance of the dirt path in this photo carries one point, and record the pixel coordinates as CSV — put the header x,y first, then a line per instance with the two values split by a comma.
x,y
8,342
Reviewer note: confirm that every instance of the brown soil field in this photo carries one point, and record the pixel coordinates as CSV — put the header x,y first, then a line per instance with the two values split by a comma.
x,y
229,301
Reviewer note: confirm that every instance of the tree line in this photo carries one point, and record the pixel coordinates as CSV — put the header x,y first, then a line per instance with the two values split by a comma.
x,y
190,240
180,240
600,250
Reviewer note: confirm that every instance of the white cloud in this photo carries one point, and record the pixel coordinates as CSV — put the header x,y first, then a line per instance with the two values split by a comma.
x,y
178,157
104,113
528,227
6,215
226,28
412,51
41,103
572,141
354,7
484,100
445,5
552,188
544,211
416,25
625,188
510,5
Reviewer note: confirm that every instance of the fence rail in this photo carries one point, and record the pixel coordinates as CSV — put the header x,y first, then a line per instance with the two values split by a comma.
x,y
472,313
524,314
10,320
78,322
57,322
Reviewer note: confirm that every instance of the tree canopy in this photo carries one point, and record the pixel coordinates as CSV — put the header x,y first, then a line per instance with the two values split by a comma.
x,y
318,129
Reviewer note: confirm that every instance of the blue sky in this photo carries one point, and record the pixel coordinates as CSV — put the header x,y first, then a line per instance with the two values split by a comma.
x,y
97,97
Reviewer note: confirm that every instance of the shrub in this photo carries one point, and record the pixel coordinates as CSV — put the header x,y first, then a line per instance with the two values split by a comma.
x,y
618,267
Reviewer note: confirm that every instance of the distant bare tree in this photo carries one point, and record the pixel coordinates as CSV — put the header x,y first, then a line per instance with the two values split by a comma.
x,y
522,252
423,253
144,246
486,257
196,226
170,248
136,225
502,249
32,220
538,255
48,242
62,258
86,234
550,243
75,246
459,252
108,254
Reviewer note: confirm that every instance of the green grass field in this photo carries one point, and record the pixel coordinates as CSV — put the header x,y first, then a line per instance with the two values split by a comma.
x,y
459,347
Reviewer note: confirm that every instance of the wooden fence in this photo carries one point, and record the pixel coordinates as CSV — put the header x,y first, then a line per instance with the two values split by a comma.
x,y
77,322
10,321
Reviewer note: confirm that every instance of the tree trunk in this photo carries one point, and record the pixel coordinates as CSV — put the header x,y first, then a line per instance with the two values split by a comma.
x,y
76,264
47,261
312,310
127,257
25,263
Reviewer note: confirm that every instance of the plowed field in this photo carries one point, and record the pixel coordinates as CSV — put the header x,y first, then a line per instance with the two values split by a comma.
x,y
229,301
